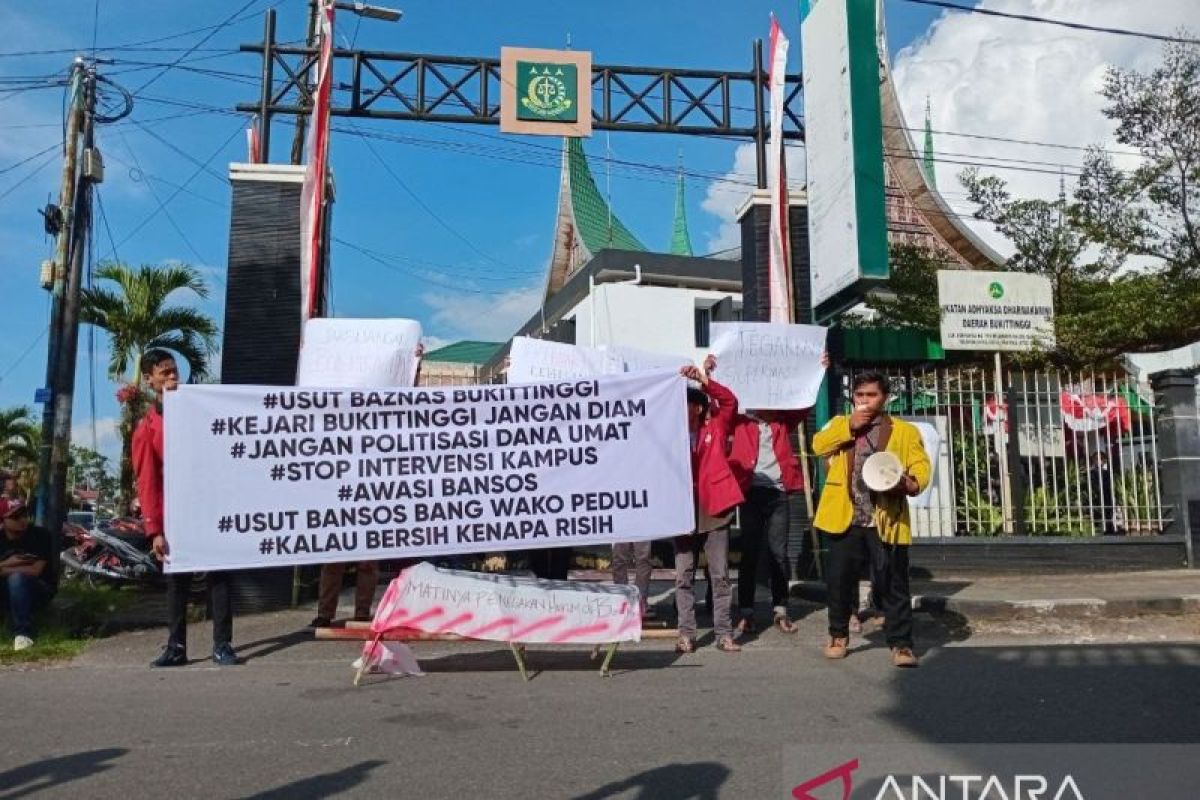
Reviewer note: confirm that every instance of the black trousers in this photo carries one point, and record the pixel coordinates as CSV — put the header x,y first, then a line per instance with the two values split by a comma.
x,y
764,520
848,553
219,608
551,563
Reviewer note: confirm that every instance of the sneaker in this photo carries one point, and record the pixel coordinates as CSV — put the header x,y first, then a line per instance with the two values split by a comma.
x,y
171,656
320,622
223,656
22,643
838,647
904,657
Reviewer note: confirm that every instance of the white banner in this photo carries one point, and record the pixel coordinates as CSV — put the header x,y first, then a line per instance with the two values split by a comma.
x,y
506,608
767,365
932,441
535,360
358,353
271,476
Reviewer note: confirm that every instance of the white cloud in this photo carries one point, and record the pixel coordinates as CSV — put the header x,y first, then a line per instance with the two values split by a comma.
x,y
722,198
435,342
108,437
1022,80
482,316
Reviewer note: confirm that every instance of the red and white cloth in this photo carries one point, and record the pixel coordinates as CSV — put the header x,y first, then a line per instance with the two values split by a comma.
x,y
506,608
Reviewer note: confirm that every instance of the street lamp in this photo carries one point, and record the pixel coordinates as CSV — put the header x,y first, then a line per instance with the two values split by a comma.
x,y
371,12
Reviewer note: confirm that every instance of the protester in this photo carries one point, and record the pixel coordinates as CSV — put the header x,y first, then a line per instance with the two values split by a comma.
x,y
24,566
637,555
770,477
864,526
366,577
9,490
160,373
711,411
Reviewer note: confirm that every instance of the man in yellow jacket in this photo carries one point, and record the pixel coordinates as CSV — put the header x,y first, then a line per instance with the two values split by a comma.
x,y
863,526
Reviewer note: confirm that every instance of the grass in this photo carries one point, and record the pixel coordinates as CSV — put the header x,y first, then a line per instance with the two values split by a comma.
x,y
76,616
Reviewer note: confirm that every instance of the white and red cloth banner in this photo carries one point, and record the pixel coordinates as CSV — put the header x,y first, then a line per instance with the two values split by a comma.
x,y
271,476
1089,413
780,271
507,608
312,193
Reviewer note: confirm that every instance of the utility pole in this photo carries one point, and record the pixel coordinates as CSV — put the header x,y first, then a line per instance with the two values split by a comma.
x,y
58,279
68,290
310,41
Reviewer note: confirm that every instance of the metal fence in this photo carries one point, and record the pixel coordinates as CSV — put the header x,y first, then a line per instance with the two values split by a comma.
x,y
1034,453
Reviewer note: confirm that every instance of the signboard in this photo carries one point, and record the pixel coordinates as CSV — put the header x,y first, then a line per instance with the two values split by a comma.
x,y
352,353
769,365
995,311
262,476
546,92
636,360
536,360
847,217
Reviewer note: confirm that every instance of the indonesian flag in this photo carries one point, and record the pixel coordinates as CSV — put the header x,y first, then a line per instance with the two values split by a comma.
x,y
312,195
779,281
1092,413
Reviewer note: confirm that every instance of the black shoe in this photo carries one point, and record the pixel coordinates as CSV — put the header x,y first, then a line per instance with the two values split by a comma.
x,y
171,656
320,622
223,656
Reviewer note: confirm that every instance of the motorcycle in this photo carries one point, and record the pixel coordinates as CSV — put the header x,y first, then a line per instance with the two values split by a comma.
x,y
117,553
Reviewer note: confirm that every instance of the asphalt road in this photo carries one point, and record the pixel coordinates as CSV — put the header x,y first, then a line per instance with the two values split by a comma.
x,y
289,724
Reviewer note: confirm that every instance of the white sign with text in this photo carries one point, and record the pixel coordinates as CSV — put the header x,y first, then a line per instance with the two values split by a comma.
x,y
769,365
534,360
995,311
275,476
354,353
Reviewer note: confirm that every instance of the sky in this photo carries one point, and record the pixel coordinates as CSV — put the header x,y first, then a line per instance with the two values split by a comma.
x,y
464,216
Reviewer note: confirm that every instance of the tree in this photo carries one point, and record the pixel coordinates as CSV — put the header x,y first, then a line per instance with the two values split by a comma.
x,y
137,318
1153,210
18,437
92,470
910,299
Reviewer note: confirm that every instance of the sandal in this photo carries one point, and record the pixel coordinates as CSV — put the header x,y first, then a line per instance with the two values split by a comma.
x,y
745,627
685,645
727,645
785,624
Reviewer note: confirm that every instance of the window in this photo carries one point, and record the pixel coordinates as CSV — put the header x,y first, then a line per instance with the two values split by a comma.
x,y
703,320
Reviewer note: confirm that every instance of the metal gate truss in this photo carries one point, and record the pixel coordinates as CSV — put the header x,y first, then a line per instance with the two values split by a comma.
x,y
457,89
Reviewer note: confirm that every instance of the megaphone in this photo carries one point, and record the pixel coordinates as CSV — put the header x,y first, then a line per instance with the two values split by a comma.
x,y
882,471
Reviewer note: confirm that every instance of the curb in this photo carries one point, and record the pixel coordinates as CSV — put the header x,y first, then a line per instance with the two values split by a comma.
x,y
1061,608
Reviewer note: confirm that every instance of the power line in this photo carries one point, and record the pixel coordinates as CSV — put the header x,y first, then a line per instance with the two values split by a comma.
x,y
25,161
30,175
11,367
178,191
1059,22
133,45
382,260
217,29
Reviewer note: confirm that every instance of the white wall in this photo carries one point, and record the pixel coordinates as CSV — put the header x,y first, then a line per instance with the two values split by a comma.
x,y
658,319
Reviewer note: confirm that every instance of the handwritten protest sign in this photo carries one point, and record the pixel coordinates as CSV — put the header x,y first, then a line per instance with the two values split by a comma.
x,y
635,360
769,365
505,608
353,353
533,360
270,476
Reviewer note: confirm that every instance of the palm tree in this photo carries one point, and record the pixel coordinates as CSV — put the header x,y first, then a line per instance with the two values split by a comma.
x,y
137,318
19,438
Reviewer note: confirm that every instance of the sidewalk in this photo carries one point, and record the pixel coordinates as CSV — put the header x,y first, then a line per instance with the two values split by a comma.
x,y
1062,596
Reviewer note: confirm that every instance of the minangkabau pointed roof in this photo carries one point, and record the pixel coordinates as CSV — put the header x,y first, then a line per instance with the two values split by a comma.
x,y
681,240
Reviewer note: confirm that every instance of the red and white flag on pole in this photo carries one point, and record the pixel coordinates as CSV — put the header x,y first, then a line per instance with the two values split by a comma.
x,y
312,195
253,143
780,270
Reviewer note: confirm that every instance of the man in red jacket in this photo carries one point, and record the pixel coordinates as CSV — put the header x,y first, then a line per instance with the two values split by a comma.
x,y
161,375
711,411
770,476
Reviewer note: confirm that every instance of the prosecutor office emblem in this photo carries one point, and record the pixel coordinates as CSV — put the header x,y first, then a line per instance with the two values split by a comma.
x,y
548,92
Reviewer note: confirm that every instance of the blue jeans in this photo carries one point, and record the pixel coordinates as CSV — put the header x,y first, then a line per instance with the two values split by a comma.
x,y
24,594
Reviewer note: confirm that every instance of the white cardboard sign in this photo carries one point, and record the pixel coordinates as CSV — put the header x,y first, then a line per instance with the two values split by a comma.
x,y
353,353
769,365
